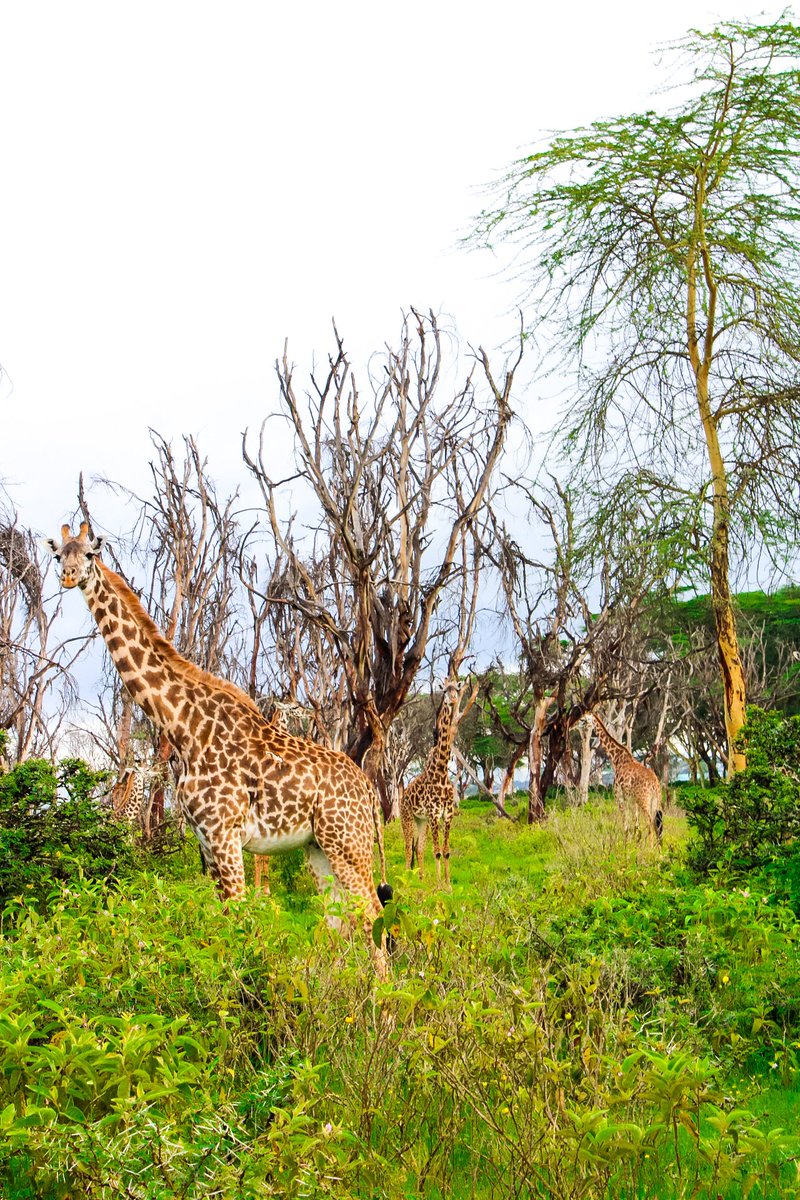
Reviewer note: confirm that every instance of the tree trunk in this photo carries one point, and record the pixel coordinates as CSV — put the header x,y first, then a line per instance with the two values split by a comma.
x,y
535,795
730,662
701,351
585,761
507,784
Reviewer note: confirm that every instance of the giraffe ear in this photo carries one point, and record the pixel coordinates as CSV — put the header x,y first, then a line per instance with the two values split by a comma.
x,y
96,546
51,545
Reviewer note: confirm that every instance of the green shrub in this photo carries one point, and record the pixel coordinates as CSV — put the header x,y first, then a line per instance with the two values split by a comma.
x,y
749,820
593,1033
154,1044
54,830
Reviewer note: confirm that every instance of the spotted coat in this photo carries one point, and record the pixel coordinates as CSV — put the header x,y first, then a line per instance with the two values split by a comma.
x,y
636,786
430,799
245,783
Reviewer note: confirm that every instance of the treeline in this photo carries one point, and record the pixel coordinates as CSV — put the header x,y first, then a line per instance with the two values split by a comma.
x,y
351,620
396,542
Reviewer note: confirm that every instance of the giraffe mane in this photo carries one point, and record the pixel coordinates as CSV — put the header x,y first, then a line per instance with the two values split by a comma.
x,y
189,670
608,732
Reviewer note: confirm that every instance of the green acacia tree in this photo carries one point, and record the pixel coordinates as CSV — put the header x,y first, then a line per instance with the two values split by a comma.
x,y
659,253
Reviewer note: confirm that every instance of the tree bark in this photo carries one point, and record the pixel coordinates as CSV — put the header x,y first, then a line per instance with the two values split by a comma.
x,y
701,352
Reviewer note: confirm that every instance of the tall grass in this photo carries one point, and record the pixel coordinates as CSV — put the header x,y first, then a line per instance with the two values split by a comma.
x,y
576,1018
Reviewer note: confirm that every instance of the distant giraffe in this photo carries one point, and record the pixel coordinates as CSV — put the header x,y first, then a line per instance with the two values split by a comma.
x,y
131,804
634,783
244,783
430,798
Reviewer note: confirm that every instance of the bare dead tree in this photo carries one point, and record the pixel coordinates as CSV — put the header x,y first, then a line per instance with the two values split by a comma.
x,y
540,601
37,682
189,542
574,608
291,658
393,485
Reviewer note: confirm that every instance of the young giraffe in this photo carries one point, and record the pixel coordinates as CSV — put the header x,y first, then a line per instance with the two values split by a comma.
x,y
245,784
633,782
430,798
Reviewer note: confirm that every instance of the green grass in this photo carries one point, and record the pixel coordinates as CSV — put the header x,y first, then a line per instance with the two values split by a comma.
x,y
575,1017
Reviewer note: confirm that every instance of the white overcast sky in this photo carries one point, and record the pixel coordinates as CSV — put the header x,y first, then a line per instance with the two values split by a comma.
x,y
185,185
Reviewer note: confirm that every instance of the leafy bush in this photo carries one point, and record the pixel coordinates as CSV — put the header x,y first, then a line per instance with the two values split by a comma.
x,y
751,819
155,1044
540,1035
53,830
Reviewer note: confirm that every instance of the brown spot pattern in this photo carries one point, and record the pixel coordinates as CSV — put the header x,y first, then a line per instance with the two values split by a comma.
x,y
243,780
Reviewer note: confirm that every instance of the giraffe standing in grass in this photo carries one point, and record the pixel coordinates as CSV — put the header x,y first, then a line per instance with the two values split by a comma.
x,y
430,798
130,806
635,785
244,784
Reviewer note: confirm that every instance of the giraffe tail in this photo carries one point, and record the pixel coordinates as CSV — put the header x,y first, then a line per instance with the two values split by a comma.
x,y
385,891
658,824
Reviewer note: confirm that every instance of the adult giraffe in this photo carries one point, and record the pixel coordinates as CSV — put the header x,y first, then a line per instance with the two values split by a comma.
x,y
130,803
430,798
634,783
246,784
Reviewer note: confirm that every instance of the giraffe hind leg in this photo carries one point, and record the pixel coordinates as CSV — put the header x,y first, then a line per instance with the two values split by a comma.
x,y
655,816
340,873
328,886
436,850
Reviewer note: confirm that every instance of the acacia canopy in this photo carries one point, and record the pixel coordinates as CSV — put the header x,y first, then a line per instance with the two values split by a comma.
x,y
659,254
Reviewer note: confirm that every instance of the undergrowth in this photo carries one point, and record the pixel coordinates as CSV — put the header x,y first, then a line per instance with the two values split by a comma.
x,y
578,1017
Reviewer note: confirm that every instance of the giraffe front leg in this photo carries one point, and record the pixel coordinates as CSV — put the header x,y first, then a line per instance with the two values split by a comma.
x,y
407,822
622,809
224,862
446,823
230,868
436,849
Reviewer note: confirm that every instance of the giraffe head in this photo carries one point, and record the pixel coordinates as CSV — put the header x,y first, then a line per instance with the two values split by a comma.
x,y
75,555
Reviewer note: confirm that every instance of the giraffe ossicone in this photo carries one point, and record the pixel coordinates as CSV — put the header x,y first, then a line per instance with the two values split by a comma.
x,y
245,783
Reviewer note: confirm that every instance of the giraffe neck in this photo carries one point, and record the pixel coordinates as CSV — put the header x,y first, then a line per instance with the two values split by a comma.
x,y
619,755
164,684
132,802
439,757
